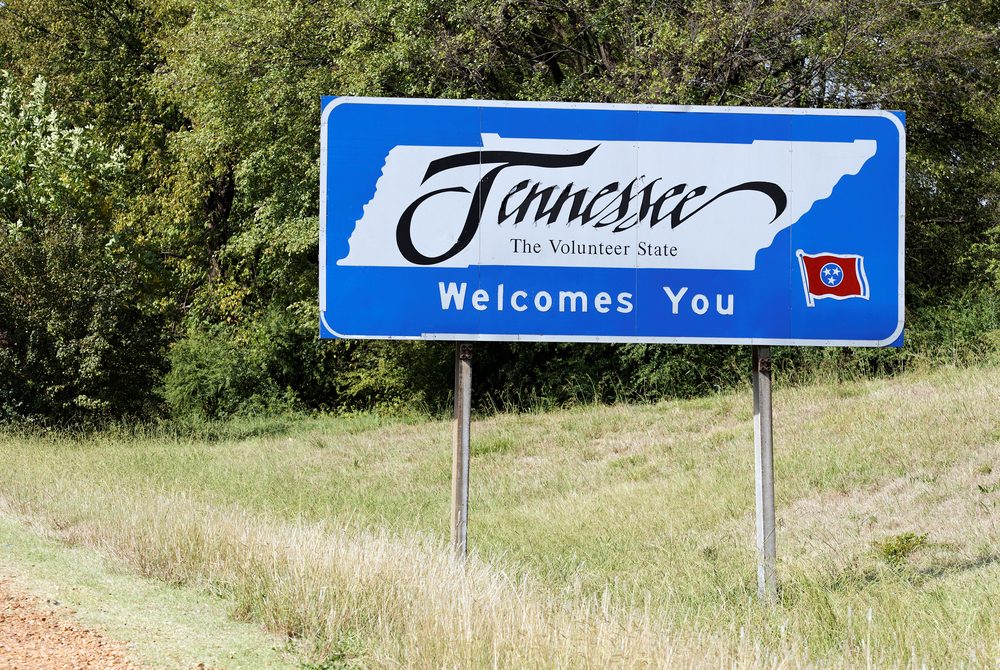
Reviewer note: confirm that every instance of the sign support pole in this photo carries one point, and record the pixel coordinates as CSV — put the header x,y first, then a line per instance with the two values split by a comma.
x,y
460,460
767,581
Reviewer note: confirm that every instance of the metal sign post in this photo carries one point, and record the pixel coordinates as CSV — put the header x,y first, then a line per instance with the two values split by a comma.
x,y
460,458
767,581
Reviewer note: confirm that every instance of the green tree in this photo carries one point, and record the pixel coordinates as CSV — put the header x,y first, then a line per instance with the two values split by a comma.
x,y
215,104
249,74
75,340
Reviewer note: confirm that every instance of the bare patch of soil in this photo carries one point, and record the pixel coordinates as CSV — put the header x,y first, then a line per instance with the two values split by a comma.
x,y
33,636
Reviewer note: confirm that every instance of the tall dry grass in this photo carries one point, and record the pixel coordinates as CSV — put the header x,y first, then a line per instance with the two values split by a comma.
x,y
373,599
609,537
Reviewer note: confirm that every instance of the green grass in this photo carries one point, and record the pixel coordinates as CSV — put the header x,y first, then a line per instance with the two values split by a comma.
x,y
163,626
603,536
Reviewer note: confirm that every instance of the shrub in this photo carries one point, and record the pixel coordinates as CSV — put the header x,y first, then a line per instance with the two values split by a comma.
x,y
79,340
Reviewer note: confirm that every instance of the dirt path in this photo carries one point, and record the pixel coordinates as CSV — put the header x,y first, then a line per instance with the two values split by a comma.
x,y
35,637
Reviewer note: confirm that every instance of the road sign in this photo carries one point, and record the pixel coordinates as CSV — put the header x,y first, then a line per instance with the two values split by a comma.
x,y
473,220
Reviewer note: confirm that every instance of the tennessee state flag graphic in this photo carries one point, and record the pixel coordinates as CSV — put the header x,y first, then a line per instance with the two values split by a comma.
x,y
837,276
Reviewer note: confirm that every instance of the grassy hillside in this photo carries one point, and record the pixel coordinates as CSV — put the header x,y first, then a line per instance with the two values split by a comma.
x,y
603,536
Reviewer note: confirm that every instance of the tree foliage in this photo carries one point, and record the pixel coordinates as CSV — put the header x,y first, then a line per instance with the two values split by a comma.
x,y
74,339
215,104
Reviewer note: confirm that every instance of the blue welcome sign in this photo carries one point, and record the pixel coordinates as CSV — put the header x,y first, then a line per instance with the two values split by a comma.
x,y
474,220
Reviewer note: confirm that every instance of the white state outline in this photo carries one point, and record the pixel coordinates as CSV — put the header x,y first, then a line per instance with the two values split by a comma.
x,y
500,337
859,267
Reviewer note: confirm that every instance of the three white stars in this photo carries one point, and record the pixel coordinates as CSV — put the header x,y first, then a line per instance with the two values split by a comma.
x,y
831,275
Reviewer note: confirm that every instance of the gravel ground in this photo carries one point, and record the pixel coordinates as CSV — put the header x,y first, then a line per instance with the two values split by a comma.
x,y
34,636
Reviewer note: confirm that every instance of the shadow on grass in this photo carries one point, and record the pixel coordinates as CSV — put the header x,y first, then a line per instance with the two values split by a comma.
x,y
953,567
